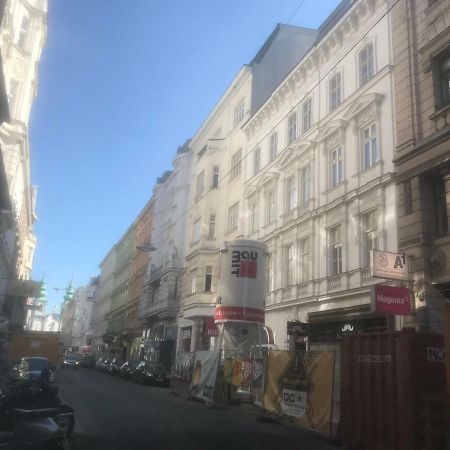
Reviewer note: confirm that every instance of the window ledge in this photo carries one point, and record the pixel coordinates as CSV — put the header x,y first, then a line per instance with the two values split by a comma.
x,y
334,188
380,162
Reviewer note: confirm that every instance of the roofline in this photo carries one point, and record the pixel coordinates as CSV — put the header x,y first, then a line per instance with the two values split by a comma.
x,y
245,70
263,49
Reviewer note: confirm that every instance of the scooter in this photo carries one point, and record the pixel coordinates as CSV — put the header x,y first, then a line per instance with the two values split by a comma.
x,y
31,430
33,395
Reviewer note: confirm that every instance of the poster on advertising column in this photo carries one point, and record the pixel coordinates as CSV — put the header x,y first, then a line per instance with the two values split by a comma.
x,y
204,374
299,388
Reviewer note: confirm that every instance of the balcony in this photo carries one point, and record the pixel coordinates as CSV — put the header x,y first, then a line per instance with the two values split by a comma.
x,y
366,277
155,274
163,309
335,283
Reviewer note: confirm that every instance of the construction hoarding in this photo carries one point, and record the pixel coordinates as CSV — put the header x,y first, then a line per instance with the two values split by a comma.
x,y
299,388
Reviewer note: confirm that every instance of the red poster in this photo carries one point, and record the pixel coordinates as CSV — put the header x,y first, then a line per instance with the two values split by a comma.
x,y
391,300
211,327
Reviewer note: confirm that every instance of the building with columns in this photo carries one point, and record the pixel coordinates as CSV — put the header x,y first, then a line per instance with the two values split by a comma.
x,y
421,56
319,177
216,206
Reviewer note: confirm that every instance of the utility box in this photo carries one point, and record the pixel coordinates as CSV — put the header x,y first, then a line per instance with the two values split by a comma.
x,y
35,343
393,391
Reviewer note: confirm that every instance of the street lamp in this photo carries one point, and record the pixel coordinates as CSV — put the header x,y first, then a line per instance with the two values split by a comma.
x,y
146,247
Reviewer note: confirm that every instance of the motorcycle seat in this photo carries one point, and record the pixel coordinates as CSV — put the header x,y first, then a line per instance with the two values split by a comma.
x,y
31,414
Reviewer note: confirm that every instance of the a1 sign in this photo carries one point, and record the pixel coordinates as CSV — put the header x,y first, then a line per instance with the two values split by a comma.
x,y
394,266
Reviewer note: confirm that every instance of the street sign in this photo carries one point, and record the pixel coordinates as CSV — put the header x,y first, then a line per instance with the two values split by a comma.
x,y
391,299
394,266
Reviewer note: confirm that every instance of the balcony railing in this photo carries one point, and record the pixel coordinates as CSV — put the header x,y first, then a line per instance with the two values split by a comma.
x,y
366,276
166,308
335,283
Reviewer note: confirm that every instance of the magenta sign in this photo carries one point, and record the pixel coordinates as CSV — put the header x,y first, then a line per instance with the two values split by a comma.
x,y
391,300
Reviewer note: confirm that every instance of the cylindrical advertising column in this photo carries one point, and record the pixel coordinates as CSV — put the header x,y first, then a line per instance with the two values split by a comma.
x,y
241,290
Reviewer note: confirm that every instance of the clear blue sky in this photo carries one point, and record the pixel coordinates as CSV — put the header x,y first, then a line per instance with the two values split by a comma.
x,y
121,86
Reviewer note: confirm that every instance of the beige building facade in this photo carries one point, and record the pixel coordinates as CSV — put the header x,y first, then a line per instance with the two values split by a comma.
x,y
421,50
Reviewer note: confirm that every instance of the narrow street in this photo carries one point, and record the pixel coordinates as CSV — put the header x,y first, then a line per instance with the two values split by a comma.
x,y
115,414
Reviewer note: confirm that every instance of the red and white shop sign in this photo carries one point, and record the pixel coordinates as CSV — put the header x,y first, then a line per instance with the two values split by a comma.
x,y
391,299
211,327
239,313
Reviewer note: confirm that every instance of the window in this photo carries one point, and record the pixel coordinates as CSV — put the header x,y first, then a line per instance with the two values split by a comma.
x,y
441,73
289,265
440,206
290,193
256,160
233,216
208,278
305,175
370,240
366,66
270,206
369,147
23,31
335,92
196,231
236,164
200,184
307,115
273,146
239,112
269,277
304,259
215,180
212,226
193,288
292,128
253,217
336,250
12,93
408,197
336,167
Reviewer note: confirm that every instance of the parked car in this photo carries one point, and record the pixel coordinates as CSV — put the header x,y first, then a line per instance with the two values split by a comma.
x,y
35,368
127,369
151,372
70,361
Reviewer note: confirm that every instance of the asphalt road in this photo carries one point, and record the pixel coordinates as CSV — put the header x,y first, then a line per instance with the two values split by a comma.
x,y
113,414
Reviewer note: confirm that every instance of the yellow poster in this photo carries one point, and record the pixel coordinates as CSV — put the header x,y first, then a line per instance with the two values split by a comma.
x,y
299,388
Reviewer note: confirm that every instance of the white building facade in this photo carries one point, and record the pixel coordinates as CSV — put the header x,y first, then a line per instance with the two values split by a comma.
x,y
102,304
23,36
319,187
217,208
159,305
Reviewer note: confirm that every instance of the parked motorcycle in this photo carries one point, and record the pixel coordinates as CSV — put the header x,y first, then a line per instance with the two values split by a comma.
x,y
29,429
38,395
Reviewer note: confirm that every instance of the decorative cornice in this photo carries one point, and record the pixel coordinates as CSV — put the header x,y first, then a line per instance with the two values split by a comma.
x,y
321,53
